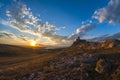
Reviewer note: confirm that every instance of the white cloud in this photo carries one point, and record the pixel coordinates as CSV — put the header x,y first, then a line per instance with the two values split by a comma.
x,y
110,13
21,18
83,30
73,36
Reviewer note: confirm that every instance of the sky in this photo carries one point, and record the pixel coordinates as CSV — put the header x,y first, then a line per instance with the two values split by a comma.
x,y
58,22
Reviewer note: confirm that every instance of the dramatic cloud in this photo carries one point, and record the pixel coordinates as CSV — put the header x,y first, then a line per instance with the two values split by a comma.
x,y
83,30
1,36
73,36
7,34
23,37
110,13
21,18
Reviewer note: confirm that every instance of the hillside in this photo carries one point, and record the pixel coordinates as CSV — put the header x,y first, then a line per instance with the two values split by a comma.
x,y
13,50
81,61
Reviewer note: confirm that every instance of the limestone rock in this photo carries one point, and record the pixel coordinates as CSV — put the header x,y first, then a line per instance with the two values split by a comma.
x,y
102,66
85,45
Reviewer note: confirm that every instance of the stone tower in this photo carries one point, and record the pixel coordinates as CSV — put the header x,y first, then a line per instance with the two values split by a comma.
x,y
78,39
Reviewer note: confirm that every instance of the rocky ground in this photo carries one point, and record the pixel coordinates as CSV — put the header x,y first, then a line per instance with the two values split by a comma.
x,y
83,66
83,60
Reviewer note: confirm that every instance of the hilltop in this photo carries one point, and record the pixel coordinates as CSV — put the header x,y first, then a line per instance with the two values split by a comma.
x,y
83,44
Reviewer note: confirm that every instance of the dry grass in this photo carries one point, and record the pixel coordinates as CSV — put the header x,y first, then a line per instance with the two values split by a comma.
x,y
17,66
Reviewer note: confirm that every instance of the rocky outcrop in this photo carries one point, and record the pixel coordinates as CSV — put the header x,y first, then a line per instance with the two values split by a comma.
x,y
83,44
83,66
78,41
71,68
110,43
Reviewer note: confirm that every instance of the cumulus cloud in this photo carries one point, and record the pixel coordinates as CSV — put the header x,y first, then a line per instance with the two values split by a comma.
x,y
21,18
83,30
110,13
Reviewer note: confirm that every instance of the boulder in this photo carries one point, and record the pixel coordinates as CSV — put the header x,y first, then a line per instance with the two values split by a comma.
x,y
102,66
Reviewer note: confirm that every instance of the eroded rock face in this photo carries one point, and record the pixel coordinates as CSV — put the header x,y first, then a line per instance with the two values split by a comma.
x,y
110,43
102,66
83,44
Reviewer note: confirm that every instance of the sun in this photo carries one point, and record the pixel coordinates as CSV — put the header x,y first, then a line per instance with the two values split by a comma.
x,y
33,43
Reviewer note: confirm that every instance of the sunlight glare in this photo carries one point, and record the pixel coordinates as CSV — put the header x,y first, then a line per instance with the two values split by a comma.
x,y
33,43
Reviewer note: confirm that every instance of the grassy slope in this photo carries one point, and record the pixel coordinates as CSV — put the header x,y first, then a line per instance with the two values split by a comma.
x,y
18,61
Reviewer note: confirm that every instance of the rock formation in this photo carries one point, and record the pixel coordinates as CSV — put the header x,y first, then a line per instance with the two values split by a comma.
x,y
83,44
110,43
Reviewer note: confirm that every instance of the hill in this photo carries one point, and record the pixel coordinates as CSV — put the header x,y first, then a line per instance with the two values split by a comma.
x,y
83,60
